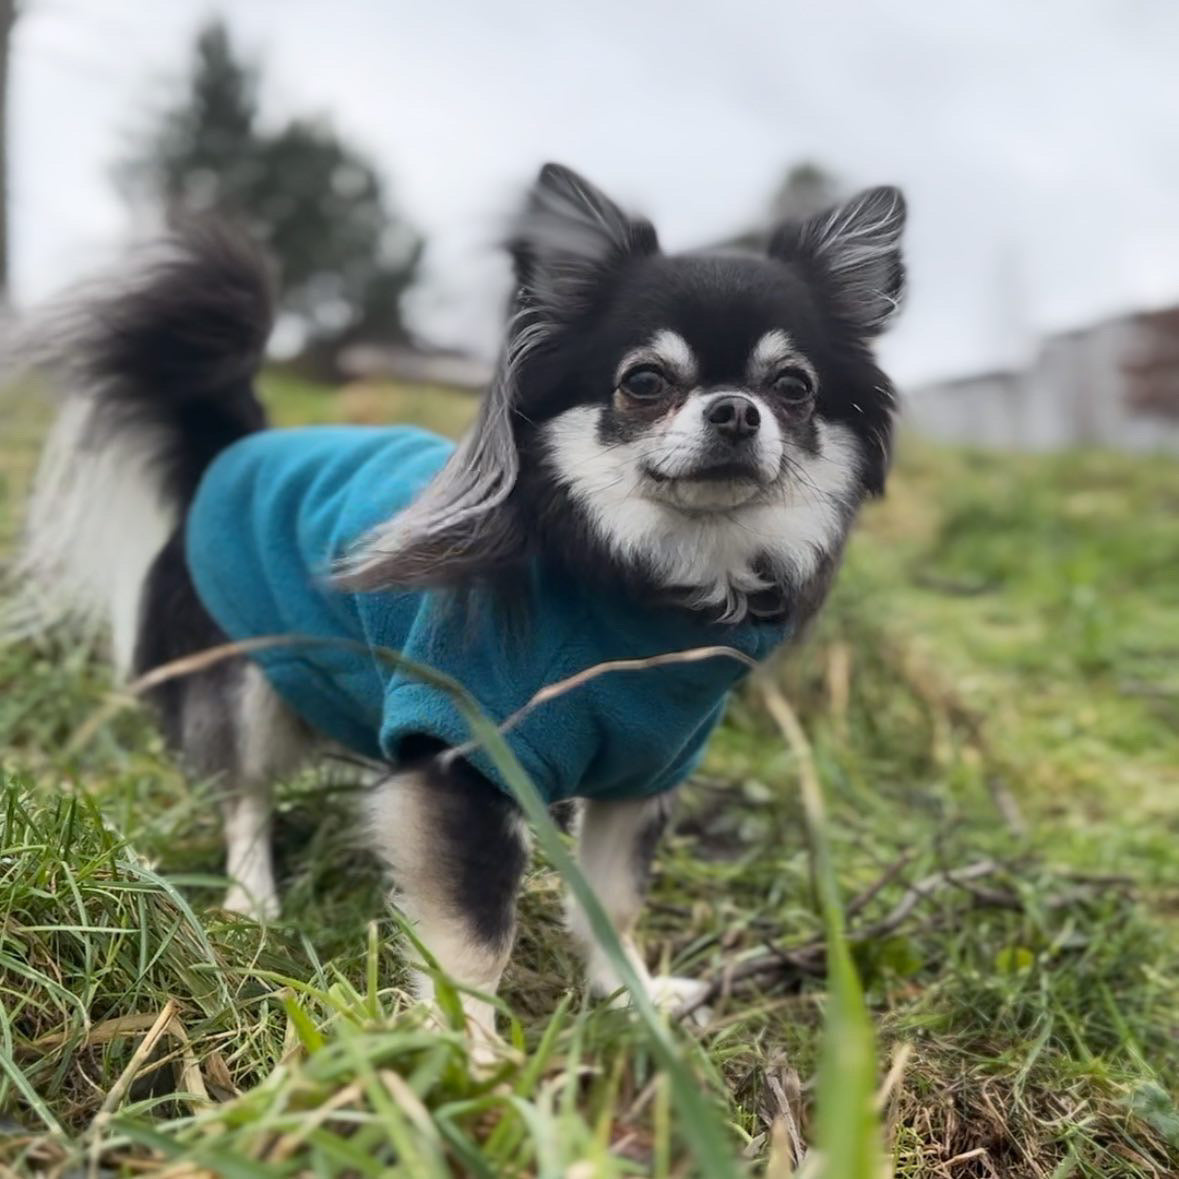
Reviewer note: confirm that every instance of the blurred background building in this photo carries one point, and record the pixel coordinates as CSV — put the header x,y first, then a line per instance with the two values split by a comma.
x,y
1114,383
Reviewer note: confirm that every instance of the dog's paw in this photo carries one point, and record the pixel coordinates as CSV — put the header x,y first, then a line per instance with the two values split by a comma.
x,y
670,993
673,994
488,1052
246,904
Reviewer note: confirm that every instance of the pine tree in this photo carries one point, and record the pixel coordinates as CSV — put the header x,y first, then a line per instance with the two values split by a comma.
x,y
317,204
806,189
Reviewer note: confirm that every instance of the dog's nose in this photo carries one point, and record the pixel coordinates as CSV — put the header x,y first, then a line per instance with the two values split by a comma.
x,y
733,418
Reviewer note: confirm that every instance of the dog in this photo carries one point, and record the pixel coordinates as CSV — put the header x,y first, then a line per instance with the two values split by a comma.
x,y
670,456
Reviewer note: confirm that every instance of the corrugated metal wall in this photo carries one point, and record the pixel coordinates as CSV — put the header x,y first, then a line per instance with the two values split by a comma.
x,y
1115,384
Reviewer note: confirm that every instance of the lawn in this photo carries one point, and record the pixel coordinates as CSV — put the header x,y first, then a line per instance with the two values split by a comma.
x,y
992,707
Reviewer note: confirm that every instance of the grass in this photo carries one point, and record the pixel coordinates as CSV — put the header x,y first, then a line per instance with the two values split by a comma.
x,y
992,688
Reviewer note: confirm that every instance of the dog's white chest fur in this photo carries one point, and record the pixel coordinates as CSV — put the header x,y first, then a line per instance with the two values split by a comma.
x,y
711,556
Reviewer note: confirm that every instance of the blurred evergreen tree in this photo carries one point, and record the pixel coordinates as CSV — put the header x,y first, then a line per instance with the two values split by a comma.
x,y
317,204
806,188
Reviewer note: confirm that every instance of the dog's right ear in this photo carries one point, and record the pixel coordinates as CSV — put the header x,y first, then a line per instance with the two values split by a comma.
x,y
569,241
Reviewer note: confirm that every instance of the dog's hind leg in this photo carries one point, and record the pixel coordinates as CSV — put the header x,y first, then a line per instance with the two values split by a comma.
x,y
615,847
269,742
225,723
234,730
456,848
229,727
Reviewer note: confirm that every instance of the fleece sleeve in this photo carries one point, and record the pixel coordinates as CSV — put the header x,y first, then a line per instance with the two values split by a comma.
x,y
555,742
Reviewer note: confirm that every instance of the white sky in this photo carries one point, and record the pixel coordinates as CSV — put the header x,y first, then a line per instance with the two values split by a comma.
x,y
1037,140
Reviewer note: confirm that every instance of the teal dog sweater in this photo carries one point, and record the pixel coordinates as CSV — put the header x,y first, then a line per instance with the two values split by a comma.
x,y
277,509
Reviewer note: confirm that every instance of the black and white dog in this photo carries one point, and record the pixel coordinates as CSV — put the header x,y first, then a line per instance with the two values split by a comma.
x,y
690,434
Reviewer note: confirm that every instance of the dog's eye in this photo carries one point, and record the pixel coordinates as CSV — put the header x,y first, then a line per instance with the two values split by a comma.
x,y
794,384
644,383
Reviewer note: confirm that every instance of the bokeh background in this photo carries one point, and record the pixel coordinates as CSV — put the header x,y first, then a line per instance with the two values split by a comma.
x,y
1038,145
991,697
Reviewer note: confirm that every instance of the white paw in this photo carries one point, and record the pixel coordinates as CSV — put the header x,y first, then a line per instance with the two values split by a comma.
x,y
673,994
261,908
487,1051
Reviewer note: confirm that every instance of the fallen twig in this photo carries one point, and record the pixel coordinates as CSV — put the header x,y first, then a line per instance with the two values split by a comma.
x,y
924,888
809,959
201,660
862,899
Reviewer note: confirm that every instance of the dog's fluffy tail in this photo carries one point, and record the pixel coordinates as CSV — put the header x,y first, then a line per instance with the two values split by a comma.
x,y
157,369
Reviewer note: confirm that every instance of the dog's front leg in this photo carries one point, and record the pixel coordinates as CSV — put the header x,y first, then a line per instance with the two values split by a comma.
x,y
615,847
456,848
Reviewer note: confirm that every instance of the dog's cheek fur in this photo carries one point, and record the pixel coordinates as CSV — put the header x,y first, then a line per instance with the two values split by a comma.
x,y
588,505
856,395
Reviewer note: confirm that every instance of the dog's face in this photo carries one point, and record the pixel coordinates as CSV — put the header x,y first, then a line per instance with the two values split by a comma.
x,y
703,386
705,424
696,384
714,419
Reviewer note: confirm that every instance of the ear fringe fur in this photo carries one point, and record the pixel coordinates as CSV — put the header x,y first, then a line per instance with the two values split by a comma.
x,y
464,524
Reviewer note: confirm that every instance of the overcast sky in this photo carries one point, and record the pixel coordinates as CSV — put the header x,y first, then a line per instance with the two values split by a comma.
x,y
1037,140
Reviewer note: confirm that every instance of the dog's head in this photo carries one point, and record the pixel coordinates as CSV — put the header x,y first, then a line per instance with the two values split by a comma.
x,y
701,424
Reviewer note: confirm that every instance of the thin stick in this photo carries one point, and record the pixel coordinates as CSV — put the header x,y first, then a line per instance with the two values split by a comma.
x,y
117,1091
863,899
923,889
977,1153
149,1041
810,959
189,664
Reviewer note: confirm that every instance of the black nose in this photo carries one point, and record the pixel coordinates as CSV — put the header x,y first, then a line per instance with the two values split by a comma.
x,y
733,418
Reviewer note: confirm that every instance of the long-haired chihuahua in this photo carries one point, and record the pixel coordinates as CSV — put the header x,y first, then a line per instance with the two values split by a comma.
x,y
669,457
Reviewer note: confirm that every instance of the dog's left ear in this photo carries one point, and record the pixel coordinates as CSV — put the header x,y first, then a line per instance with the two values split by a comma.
x,y
569,242
853,253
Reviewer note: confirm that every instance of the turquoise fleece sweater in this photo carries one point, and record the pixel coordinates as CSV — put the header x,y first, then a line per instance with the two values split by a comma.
x,y
277,508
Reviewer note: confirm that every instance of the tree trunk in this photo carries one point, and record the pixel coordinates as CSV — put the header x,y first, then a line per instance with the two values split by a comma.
x,y
7,18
